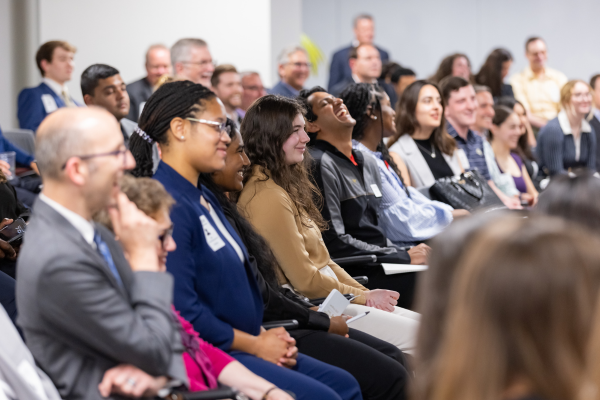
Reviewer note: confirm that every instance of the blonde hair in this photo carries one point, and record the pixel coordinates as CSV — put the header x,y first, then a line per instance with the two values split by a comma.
x,y
520,309
566,92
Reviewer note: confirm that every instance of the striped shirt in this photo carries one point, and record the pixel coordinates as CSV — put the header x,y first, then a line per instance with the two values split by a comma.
x,y
406,220
473,148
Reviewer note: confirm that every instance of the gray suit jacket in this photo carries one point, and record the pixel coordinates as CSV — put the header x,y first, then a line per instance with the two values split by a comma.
x,y
78,321
18,369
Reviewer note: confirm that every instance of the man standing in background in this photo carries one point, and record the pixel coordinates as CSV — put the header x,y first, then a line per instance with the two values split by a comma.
x,y
537,87
192,61
293,68
158,63
55,61
364,32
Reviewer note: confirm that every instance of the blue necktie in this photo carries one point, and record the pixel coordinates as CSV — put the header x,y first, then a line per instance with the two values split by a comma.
x,y
105,253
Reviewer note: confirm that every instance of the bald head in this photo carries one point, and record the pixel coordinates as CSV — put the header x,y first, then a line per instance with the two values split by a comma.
x,y
70,132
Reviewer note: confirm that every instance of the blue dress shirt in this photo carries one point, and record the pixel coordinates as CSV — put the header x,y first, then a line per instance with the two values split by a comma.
x,y
283,89
473,148
405,219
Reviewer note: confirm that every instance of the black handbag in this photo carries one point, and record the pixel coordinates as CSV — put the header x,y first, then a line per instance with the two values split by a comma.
x,y
469,191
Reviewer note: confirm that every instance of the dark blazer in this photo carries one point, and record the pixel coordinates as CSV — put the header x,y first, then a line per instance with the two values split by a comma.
x,y
595,123
339,69
389,89
282,90
78,321
30,107
139,93
214,290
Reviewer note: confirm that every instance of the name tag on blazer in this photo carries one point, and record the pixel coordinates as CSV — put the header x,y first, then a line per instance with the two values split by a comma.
x,y
49,103
210,233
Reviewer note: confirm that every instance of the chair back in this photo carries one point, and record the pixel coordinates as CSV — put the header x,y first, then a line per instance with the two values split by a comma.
x,y
22,138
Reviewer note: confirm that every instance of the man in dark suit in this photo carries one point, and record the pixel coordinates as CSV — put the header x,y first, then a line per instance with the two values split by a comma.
x,y
293,68
364,32
84,308
55,61
365,67
595,121
158,63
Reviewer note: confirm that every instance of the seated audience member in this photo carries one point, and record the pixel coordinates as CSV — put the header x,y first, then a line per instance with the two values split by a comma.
x,y
253,89
227,85
421,139
364,33
400,79
72,271
10,209
504,137
460,112
493,72
214,286
407,215
158,63
205,364
55,61
278,200
538,87
313,339
102,86
568,141
595,120
365,64
457,64
387,69
495,309
293,68
192,61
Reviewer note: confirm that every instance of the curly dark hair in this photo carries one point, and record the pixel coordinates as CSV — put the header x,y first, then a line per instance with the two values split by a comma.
x,y
266,126
174,99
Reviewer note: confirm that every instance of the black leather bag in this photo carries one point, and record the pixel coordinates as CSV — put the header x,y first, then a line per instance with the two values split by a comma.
x,y
469,191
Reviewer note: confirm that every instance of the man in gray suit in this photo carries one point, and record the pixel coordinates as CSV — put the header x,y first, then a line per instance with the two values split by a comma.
x,y
102,86
83,307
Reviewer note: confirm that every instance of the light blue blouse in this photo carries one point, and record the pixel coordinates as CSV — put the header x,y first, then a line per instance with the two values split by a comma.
x,y
405,219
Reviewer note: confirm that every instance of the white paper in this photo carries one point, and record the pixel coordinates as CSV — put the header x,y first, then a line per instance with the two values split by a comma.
x,y
335,304
391,269
376,190
210,233
49,103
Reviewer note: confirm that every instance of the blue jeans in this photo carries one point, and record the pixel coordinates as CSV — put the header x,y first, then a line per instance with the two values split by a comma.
x,y
310,379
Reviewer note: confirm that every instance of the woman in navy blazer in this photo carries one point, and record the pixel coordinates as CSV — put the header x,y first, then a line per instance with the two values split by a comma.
x,y
214,285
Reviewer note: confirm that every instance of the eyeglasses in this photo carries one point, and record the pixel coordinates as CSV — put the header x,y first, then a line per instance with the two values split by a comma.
x,y
166,236
301,64
201,63
120,152
221,127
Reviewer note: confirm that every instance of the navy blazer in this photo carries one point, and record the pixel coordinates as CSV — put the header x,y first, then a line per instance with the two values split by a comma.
x,y
30,109
339,69
214,290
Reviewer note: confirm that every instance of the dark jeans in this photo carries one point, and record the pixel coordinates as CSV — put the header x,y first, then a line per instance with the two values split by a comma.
x,y
377,365
7,296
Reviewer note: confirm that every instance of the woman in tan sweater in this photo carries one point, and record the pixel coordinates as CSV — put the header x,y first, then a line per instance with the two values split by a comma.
x,y
278,199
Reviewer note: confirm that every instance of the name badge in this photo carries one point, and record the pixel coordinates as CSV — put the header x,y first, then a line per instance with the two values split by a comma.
x,y
210,233
49,103
479,152
376,190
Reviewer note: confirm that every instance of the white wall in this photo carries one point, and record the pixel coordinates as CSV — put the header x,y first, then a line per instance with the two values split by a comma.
x,y
419,33
7,97
118,32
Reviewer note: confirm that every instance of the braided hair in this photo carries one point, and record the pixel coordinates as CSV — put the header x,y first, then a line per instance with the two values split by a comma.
x,y
357,98
180,99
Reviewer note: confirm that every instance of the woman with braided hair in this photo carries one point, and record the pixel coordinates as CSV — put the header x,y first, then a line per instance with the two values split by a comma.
x,y
215,289
407,216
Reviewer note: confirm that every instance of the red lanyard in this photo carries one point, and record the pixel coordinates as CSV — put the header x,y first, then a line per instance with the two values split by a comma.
x,y
353,160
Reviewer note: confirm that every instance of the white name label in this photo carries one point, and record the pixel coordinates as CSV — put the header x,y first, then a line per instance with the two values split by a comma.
x,y
49,103
210,233
376,190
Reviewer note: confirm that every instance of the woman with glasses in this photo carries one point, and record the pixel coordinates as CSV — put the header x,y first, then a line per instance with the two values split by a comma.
x,y
568,141
215,289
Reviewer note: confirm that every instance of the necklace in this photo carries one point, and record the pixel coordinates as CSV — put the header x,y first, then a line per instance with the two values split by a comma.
x,y
432,153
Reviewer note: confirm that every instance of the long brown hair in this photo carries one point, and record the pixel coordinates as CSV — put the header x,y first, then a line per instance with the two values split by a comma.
x,y
490,73
445,68
407,123
520,309
267,125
